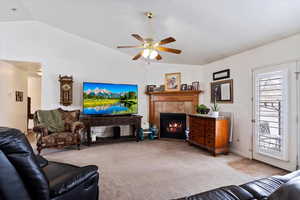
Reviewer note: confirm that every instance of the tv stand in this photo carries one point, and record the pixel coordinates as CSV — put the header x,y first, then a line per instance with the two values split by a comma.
x,y
117,120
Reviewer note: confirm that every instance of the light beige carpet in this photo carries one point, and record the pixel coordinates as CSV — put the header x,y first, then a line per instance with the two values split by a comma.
x,y
159,169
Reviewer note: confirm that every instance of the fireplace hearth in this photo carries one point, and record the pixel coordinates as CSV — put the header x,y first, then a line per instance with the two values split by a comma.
x,y
173,125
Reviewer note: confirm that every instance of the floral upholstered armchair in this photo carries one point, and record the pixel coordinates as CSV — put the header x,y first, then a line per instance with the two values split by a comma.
x,y
68,134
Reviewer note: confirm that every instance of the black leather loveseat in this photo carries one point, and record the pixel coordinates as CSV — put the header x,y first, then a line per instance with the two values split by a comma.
x,y
274,188
25,176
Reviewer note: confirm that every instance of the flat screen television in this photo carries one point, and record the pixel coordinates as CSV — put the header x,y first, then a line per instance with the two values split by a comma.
x,y
109,99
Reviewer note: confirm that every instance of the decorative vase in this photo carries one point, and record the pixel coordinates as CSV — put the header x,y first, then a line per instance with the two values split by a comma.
x,y
141,134
215,114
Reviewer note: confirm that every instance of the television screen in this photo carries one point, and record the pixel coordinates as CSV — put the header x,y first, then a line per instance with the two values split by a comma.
x,y
108,99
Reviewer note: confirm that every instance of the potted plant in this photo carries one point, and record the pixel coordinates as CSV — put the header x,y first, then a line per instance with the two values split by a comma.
x,y
202,109
215,109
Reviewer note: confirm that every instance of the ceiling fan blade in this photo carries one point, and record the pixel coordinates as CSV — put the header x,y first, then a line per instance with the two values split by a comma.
x,y
167,40
158,57
136,36
137,56
129,46
160,48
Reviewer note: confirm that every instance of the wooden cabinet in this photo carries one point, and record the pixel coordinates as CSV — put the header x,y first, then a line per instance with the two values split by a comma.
x,y
209,133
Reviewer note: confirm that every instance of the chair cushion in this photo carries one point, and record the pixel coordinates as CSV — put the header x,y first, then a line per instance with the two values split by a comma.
x,y
18,151
263,188
288,191
64,177
61,138
69,117
224,193
8,177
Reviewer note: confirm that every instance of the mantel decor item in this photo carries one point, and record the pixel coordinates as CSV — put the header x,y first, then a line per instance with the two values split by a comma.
x,y
151,88
221,91
196,85
221,74
66,90
161,88
172,81
184,87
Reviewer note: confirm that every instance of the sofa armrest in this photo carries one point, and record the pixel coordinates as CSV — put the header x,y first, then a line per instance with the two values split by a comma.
x,y
228,192
43,162
77,126
288,177
40,129
74,177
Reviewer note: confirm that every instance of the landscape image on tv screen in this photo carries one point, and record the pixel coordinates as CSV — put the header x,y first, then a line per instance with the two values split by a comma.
x,y
106,98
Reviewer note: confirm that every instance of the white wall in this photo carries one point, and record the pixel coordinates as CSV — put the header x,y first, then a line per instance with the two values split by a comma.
x,y
13,114
35,93
156,73
67,54
241,66
63,53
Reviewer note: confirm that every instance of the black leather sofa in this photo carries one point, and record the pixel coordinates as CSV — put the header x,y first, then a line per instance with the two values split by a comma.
x,y
274,188
25,176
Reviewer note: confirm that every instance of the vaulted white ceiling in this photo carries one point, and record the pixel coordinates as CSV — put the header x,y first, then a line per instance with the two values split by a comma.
x,y
205,30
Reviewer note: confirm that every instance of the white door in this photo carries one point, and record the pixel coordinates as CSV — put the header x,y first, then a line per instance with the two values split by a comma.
x,y
275,110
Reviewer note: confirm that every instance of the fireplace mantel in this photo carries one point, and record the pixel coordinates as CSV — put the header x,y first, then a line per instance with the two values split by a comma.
x,y
171,102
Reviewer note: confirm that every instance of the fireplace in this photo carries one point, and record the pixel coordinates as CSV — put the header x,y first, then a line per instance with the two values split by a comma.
x,y
173,125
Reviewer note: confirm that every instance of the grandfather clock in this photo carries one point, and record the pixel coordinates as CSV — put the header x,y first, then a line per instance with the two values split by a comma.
x,y
66,90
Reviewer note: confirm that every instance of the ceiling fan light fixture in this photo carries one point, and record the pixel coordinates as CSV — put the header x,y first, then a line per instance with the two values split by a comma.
x,y
149,53
153,54
146,53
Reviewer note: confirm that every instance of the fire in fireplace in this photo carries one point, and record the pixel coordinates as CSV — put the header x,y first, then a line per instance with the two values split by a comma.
x,y
172,125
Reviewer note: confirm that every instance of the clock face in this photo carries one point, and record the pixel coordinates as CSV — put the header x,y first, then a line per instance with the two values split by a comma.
x,y
66,87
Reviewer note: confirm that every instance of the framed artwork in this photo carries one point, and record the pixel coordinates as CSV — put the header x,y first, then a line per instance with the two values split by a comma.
x,y
190,87
151,88
221,91
160,88
172,81
183,87
196,85
19,96
221,74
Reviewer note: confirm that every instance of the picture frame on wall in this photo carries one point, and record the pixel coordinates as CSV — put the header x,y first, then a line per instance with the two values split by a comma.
x,y
173,81
221,74
19,96
221,91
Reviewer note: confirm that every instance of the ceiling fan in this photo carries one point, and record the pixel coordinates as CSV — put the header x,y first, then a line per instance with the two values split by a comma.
x,y
150,48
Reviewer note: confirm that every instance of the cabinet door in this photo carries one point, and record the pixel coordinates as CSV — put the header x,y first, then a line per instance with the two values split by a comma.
x,y
193,129
210,130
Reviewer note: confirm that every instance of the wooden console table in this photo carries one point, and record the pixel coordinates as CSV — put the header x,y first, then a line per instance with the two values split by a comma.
x,y
210,133
132,120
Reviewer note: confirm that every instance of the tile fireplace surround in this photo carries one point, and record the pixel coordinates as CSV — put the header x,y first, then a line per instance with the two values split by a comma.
x,y
171,102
